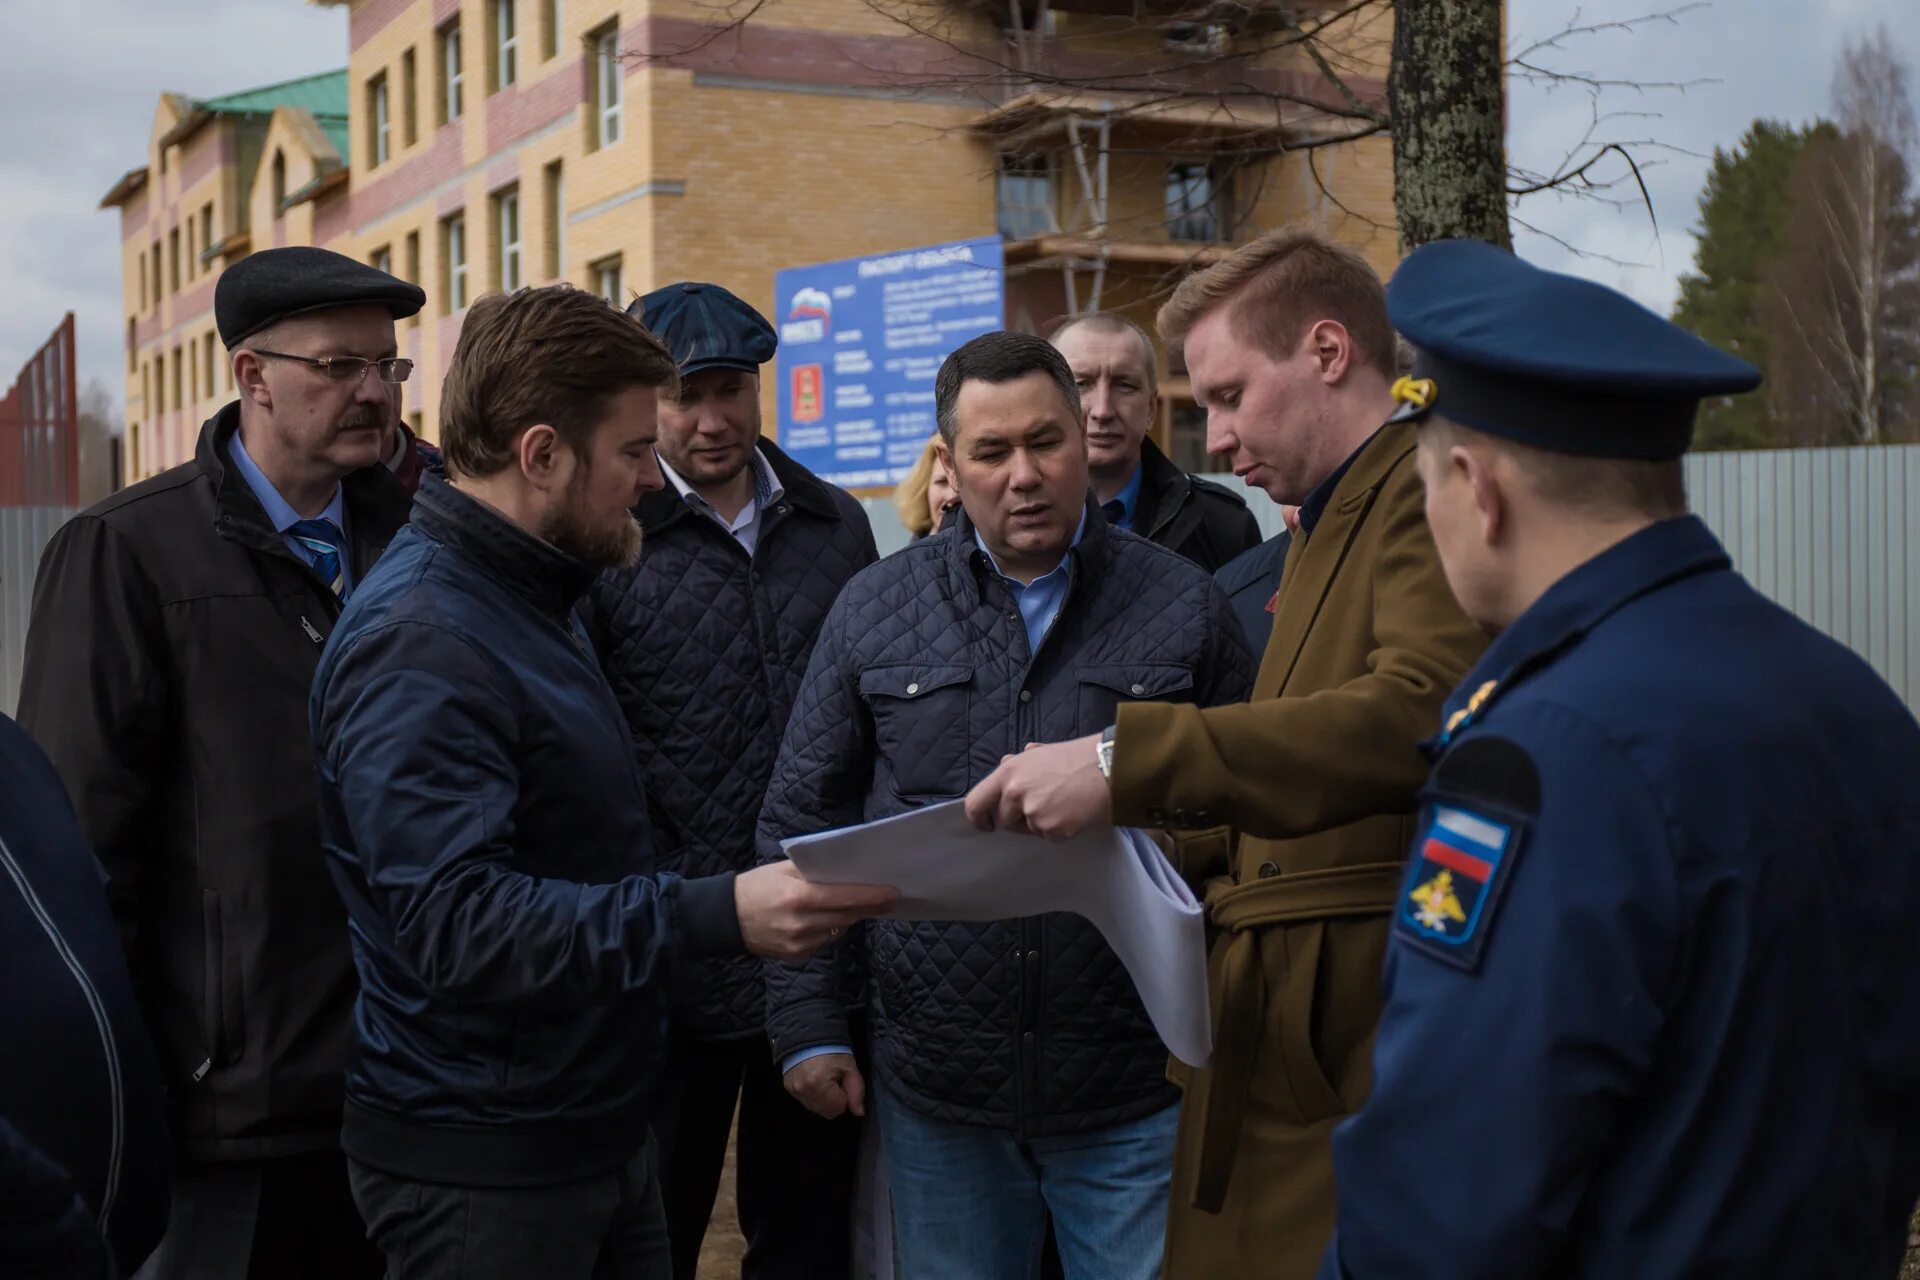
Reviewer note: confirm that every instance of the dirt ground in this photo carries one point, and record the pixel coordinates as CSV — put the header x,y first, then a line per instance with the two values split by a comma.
x,y
720,1253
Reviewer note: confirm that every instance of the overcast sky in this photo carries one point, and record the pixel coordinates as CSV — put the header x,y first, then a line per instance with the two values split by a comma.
x,y
79,80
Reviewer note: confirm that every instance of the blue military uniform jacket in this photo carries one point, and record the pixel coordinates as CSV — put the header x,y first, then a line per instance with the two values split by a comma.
x,y
1651,1000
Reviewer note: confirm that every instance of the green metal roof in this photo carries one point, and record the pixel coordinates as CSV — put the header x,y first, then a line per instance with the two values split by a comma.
x,y
324,95
335,127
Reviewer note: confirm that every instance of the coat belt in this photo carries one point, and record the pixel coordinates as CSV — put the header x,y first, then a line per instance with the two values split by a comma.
x,y
1244,912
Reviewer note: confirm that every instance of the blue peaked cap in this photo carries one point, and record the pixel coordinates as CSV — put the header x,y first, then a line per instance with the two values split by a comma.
x,y
1549,360
706,327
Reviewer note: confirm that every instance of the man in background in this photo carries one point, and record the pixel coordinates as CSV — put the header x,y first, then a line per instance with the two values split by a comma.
x,y
1136,485
704,641
176,629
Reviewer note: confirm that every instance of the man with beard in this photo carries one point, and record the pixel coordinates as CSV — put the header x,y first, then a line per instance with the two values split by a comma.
x,y
176,628
705,641
1137,486
486,822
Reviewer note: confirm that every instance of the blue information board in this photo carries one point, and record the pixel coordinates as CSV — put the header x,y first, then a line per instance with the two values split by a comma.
x,y
860,341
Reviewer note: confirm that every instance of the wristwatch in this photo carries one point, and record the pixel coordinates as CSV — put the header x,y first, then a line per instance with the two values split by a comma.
x,y
1103,752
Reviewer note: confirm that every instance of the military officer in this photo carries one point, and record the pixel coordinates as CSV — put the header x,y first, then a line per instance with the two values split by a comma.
x,y
1650,1007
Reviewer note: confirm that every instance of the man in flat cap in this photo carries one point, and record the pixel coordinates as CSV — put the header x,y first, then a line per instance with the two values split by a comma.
x,y
1650,1008
705,641
176,628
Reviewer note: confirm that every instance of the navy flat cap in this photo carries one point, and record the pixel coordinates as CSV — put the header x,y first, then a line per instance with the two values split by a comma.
x,y
706,327
267,287
1549,360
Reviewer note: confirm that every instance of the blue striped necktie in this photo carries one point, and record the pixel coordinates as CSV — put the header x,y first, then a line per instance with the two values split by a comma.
x,y
326,549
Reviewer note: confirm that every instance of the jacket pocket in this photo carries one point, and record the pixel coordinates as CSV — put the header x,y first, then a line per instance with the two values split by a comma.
x,y
220,1016
920,713
1104,686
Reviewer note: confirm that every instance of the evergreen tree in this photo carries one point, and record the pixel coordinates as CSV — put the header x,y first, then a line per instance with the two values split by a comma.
x,y
1744,215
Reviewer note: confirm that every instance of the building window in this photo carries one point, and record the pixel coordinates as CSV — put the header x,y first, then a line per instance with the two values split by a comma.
x,y
173,260
409,101
179,380
413,269
379,121
549,29
555,211
143,282
133,345
208,366
610,281
382,259
453,257
206,229
506,235
146,391
159,382
156,275
452,80
1025,197
279,183
606,85
506,45
189,267
1195,203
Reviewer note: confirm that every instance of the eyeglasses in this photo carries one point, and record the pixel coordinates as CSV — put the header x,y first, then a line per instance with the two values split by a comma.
x,y
348,368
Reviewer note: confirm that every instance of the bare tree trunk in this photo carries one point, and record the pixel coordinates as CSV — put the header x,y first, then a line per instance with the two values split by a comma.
x,y
1446,94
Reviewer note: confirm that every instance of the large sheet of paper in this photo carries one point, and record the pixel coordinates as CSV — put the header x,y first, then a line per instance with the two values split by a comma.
x,y
1115,877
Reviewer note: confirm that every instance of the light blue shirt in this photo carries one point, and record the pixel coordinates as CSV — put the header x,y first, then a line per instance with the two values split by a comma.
x,y
285,517
1128,498
1039,602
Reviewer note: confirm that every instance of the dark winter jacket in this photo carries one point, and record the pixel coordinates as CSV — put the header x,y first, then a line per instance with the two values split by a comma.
x,y
1250,580
486,824
84,1153
1207,523
174,640
921,681
705,648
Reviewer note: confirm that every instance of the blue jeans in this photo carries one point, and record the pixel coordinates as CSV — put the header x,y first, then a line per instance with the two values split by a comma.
x,y
971,1203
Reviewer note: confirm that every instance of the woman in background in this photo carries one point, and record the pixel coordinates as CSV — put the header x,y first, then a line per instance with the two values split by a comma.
x,y
926,495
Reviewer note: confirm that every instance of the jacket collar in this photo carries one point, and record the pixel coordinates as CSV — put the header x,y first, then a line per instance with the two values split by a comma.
x,y
802,489
537,571
1636,566
1314,562
1163,490
968,566
376,502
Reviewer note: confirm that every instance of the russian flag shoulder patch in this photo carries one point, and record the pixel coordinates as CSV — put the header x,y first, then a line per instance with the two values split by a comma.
x,y
1460,865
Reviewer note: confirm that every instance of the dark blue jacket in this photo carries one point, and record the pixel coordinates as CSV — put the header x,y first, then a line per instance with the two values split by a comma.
x,y
1250,580
84,1155
486,825
705,647
922,680
1650,999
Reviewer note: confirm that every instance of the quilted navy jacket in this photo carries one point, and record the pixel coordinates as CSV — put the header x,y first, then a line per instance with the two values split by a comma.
x,y
922,680
705,647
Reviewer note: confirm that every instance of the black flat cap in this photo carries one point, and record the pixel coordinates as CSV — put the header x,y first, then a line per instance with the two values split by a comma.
x,y
265,288
706,327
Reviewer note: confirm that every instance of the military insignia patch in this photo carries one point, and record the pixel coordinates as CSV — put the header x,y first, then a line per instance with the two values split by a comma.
x,y
1459,867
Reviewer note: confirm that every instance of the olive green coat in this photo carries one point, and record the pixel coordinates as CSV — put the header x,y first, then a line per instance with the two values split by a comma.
x,y
1313,786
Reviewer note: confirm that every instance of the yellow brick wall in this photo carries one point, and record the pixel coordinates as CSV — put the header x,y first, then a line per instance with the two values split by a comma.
x,y
715,178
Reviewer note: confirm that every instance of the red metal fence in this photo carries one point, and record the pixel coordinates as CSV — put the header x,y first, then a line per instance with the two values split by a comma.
x,y
40,429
